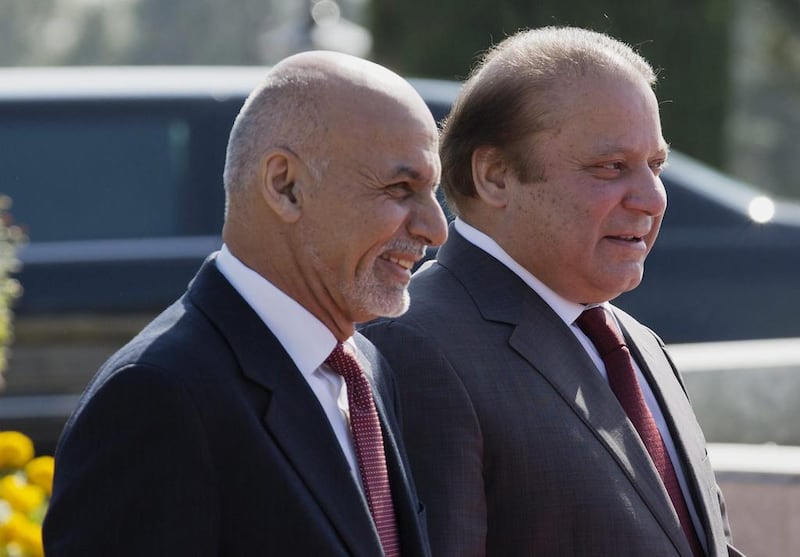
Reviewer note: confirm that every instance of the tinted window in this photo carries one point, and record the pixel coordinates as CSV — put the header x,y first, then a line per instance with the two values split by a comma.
x,y
75,177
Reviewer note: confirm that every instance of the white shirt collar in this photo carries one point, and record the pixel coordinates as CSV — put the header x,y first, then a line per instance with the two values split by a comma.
x,y
568,311
304,337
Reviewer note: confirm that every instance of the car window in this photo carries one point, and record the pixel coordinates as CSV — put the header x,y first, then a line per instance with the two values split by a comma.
x,y
76,176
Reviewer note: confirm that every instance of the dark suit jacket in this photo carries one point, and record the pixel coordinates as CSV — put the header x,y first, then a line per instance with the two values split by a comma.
x,y
201,438
517,443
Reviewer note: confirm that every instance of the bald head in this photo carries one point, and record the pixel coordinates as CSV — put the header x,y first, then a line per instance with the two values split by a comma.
x,y
306,102
336,69
330,180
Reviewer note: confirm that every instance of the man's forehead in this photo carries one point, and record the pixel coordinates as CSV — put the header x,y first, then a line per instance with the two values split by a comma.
x,y
602,145
421,169
611,114
579,93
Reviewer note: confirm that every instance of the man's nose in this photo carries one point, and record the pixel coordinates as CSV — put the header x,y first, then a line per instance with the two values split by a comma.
x,y
428,222
647,193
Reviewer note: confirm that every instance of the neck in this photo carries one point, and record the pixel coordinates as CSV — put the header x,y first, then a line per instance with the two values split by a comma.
x,y
276,263
313,296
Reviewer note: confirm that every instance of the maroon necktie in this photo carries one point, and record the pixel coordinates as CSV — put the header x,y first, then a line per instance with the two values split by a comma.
x,y
368,442
598,325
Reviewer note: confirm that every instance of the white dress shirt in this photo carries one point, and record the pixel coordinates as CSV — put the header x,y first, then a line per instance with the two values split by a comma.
x,y
304,337
568,312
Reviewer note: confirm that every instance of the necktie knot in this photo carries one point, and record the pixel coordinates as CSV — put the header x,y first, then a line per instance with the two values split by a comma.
x,y
343,362
596,323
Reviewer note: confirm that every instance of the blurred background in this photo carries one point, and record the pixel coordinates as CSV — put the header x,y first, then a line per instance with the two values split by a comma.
x,y
729,69
729,87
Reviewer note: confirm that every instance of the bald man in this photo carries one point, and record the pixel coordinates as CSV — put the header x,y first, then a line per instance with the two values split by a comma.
x,y
224,428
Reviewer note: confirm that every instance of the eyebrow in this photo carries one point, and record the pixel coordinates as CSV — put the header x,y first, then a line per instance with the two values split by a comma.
x,y
404,170
610,149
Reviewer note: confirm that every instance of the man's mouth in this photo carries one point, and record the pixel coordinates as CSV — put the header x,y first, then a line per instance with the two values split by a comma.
x,y
406,264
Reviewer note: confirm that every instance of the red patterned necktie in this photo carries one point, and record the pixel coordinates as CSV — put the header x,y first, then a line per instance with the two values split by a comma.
x,y
368,443
597,324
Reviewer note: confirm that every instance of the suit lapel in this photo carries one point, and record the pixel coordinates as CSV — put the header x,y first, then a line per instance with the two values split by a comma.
x,y
665,384
502,296
686,432
412,542
574,376
294,426
293,417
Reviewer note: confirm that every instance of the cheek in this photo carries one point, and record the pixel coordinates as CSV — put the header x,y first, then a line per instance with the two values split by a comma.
x,y
567,219
657,226
368,236
538,203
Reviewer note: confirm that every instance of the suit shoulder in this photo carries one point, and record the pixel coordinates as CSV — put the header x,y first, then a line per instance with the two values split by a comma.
x,y
399,338
432,275
379,366
634,325
409,349
403,326
179,343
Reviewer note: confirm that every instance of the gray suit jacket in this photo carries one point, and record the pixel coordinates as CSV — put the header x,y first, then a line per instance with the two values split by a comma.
x,y
517,443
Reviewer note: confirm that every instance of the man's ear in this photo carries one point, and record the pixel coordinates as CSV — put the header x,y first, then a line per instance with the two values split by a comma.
x,y
278,183
490,172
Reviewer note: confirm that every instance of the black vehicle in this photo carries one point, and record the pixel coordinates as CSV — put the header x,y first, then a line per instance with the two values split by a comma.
x,y
116,176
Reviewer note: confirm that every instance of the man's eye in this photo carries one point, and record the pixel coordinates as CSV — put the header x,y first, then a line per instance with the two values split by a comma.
x,y
607,170
658,165
401,189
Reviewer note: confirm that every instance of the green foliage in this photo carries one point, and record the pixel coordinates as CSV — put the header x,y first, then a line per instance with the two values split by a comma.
x,y
10,238
686,40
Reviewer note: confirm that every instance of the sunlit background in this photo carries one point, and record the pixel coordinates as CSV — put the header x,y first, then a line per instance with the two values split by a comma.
x,y
729,69
729,86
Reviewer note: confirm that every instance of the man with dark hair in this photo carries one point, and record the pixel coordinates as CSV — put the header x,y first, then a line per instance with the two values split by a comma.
x,y
243,420
539,418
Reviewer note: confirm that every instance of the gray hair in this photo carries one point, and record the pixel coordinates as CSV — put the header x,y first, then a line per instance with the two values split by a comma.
x,y
282,112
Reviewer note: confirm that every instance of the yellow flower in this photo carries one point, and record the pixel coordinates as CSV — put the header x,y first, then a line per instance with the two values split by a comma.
x,y
22,534
22,497
25,486
16,449
40,472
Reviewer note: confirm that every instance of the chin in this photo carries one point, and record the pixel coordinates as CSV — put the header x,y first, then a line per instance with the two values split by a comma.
x,y
395,309
610,290
627,287
628,278
392,304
